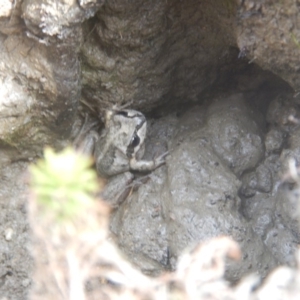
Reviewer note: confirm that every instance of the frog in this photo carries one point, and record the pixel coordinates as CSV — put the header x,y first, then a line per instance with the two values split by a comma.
x,y
118,152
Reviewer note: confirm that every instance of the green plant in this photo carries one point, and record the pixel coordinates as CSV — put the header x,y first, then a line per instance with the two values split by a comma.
x,y
64,183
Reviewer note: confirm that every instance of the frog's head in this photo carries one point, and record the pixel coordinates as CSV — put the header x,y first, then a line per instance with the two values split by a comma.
x,y
128,128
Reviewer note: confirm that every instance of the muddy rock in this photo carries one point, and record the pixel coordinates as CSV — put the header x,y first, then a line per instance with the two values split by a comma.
x,y
292,153
266,221
274,140
267,35
57,55
287,207
194,68
46,18
39,75
236,134
272,208
151,52
192,198
283,111
260,181
281,242
15,258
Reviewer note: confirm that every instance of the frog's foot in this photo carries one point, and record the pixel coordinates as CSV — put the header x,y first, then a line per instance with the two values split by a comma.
x,y
160,160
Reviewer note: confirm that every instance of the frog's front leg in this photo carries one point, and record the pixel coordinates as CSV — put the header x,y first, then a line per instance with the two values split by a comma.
x,y
117,189
147,166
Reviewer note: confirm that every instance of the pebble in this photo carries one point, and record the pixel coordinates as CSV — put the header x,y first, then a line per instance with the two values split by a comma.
x,y
8,233
26,282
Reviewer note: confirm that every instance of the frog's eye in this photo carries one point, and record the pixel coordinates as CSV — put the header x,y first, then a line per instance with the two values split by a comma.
x,y
134,141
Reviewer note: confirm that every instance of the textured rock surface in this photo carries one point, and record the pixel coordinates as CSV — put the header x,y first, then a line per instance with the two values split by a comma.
x,y
234,134
152,52
15,259
268,35
230,127
39,75
195,196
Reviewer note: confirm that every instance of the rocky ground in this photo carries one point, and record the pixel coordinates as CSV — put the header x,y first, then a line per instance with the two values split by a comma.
x,y
218,82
